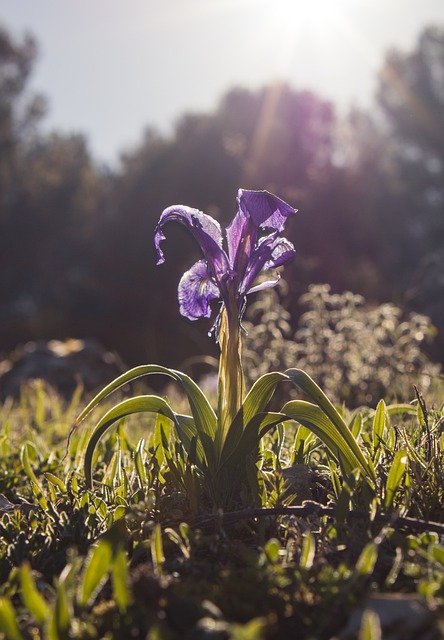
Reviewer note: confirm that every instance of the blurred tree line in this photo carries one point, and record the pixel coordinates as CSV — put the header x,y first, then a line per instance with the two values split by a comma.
x,y
76,240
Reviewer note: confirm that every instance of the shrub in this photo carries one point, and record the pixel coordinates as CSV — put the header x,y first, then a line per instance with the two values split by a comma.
x,y
355,352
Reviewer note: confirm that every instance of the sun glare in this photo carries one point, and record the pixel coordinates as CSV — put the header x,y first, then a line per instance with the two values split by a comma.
x,y
297,41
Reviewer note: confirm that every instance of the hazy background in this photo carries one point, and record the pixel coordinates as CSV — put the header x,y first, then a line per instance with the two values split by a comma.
x,y
112,111
109,68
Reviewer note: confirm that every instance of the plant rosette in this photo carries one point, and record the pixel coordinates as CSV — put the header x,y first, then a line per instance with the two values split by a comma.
x,y
222,445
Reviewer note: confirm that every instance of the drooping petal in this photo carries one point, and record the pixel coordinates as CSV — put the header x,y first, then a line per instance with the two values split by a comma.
x,y
266,284
266,210
196,290
204,228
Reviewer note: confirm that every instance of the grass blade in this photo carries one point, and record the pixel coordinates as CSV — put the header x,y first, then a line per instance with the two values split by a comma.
x,y
312,417
254,404
201,409
8,621
352,449
26,464
32,599
379,426
157,550
139,404
395,476
119,575
98,565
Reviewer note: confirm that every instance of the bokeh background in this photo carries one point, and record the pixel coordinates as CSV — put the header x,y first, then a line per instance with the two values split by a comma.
x,y
111,111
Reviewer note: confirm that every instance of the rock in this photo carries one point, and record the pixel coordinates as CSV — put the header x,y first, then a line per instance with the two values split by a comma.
x,y
299,481
64,365
400,615
8,507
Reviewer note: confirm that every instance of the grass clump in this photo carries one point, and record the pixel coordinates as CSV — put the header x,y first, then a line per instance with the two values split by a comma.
x,y
134,557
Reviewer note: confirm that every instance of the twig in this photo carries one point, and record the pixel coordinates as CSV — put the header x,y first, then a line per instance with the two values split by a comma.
x,y
310,508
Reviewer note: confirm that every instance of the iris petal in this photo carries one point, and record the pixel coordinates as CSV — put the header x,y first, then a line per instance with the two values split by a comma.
x,y
256,211
283,250
240,239
266,284
196,290
204,228
265,210
271,251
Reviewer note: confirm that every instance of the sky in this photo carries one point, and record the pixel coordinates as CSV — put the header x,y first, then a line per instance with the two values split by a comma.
x,y
112,68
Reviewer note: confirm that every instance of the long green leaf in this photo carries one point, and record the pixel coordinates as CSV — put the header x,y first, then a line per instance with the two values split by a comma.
x,y
312,417
379,425
119,577
308,551
157,555
307,384
60,622
254,403
394,409
260,394
32,598
26,464
98,564
8,621
256,428
139,404
367,559
203,413
395,476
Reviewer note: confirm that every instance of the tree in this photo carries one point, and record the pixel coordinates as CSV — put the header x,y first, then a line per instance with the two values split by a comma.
x,y
411,96
50,195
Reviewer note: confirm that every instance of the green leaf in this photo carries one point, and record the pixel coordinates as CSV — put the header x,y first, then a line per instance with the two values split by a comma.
x,y
60,622
271,550
301,445
256,428
139,462
157,550
356,425
98,564
139,404
436,551
379,425
308,551
367,559
335,479
32,599
203,413
55,481
344,496
254,403
396,473
370,626
8,621
395,409
260,395
119,574
26,464
344,441
198,446
312,417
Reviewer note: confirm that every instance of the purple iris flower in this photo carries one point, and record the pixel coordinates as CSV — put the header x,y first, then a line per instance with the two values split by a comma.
x,y
254,245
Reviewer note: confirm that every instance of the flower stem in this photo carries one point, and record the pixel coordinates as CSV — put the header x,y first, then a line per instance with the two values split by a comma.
x,y
231,385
